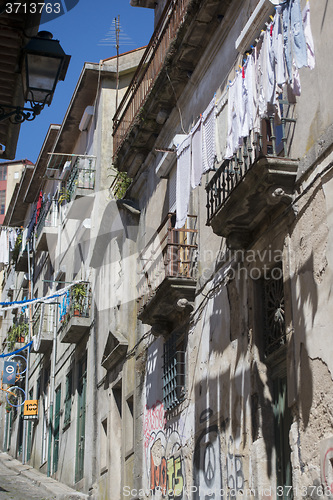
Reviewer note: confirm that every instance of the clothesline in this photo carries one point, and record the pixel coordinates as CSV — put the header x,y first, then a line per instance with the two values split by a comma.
x,y
19,303
248,99
27,346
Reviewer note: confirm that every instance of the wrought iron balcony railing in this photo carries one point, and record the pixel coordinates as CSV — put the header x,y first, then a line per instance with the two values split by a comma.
x,y
42,313
76,303
272,143
148,69
82,176
48,216
171,253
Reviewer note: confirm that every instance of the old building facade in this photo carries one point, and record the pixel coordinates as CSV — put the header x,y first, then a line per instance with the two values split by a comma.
x,y
201,367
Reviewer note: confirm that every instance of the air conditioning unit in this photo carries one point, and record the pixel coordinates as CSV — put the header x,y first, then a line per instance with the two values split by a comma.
x,y
86,117
65,171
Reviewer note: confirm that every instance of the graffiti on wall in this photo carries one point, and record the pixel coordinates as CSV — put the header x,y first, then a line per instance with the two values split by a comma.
x,y
166,465
165,462
207,470
234,471
207,473
163,453
154,420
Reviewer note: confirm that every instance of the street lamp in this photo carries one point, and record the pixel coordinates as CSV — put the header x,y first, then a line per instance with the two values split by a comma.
x,y
44,64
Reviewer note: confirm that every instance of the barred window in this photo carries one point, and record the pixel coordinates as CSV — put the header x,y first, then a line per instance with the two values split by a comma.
x,y
68,399
173,371
274,311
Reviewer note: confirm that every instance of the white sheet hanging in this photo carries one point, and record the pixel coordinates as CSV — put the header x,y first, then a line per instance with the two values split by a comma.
x,y
221,126
308,36
196,161
208,137
183,188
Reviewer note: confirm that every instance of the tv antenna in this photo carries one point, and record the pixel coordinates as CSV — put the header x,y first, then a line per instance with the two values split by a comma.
x,y
115,37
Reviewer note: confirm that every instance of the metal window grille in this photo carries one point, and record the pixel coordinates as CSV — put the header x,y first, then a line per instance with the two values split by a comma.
x,y
173,372
274,314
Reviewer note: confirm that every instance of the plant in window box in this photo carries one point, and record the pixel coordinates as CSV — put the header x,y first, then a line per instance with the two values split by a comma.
x,y
17,333
79,296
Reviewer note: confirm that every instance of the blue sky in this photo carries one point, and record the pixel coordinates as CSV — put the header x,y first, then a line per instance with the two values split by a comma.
x,y
80,32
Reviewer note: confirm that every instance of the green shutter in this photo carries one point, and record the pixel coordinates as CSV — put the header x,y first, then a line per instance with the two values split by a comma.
x,y
81,417
56,430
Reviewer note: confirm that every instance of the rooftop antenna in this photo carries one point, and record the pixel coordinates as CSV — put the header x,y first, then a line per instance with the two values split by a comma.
x,y
114,37
117,28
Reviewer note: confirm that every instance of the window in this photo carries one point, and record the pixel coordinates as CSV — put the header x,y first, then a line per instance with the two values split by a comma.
x,y
274,318
275,350
56,429
2,201
68,399
3,173
173,371
81,419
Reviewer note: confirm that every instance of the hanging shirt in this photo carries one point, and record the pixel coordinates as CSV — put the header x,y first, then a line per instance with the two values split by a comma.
x,y
297,34
277,45
4,248
244,111
208,137
287,39
221,126
196,162
296,81
308,36
269,67
12,239
250,86
232,120
183,187
39,205
260,78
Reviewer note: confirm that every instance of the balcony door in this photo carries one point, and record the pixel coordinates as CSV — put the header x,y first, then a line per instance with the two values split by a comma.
x,y
81,419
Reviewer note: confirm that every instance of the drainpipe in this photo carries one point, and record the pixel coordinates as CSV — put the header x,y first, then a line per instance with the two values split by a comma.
x,y
52,389
26,388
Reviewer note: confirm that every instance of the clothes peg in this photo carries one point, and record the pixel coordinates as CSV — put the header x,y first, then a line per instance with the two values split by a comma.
x,y
271,17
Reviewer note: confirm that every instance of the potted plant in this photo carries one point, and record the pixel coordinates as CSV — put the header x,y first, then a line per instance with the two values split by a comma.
x,y
64,195
22,332
17,248
17,333
79,294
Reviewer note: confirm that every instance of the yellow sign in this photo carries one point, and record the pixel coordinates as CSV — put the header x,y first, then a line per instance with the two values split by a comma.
x,y
30,407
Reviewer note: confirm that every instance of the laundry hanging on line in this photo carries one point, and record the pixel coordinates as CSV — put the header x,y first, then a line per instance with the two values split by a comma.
x,y
280,51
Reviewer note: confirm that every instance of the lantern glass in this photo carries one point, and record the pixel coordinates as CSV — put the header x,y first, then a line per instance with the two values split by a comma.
x,y
41,76
44,64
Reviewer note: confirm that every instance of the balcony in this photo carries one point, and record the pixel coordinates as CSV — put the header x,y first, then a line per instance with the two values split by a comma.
x,y
167,288
250,189
180,37
42,326
77,176
47,226
74,318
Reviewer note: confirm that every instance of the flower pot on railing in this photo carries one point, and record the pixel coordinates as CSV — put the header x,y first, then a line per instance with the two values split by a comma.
x,y
79,296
